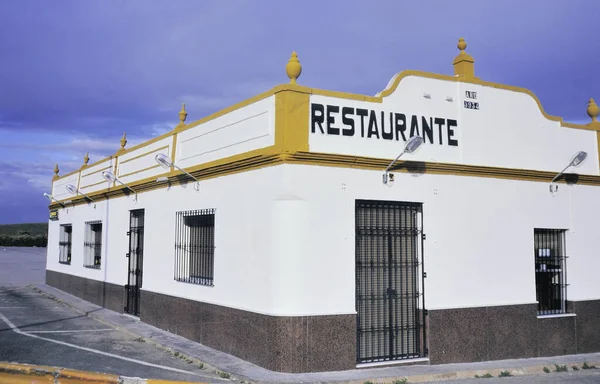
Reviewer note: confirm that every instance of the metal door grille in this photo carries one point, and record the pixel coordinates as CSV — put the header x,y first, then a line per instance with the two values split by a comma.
x,y
136,261
389,281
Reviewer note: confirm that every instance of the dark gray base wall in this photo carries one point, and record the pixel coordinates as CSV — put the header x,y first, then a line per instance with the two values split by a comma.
x,y
283,344
107,295
509,332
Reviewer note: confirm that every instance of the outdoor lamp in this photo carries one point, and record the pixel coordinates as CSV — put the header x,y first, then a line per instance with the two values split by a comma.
x,y
577,159
411,145
166,162
110,177
73,190
50,197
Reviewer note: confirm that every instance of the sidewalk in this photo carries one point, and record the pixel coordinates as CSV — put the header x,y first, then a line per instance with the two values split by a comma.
x,y
243,370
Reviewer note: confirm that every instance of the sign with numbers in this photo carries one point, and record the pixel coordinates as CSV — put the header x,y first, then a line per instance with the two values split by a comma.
x,y
468,104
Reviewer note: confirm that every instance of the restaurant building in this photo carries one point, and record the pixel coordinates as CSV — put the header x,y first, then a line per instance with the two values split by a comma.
x,y
286,231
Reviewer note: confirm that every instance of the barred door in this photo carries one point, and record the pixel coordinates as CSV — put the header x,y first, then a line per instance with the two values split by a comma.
x,y
136,261
389,281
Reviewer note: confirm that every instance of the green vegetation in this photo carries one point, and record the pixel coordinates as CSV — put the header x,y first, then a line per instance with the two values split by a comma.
x,y
486,376
546,370
560,368
586,366
24,235
504,374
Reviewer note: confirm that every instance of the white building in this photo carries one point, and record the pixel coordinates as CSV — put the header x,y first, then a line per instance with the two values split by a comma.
x,y
291,252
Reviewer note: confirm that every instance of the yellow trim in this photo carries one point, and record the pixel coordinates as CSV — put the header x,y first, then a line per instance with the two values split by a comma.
x,y
140,170
173,149
292,110
265,157
144,154
93,173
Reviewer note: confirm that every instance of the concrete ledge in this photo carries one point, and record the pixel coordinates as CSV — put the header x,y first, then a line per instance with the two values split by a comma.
x,y
39,374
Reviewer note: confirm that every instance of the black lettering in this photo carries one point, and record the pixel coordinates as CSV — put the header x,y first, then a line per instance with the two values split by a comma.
x,y
362,113
348,121
414,126
331,120
317,118
440,122
427,128
387,135
451,141
373,130
400,125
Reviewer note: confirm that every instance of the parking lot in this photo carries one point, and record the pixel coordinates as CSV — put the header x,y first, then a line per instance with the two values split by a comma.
x,y
35,329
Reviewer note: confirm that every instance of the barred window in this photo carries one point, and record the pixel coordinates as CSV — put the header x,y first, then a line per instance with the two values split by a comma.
x,y
92,244
550,271
194,246
64,243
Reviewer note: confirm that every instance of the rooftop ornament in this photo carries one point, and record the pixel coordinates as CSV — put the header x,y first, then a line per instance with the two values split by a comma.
x,y
55,172
293,69
464,64
86,159
593,111
182,116
123,142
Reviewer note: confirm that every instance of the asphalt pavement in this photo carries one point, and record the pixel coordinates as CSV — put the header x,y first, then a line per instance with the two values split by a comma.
x,y
35,329
591,376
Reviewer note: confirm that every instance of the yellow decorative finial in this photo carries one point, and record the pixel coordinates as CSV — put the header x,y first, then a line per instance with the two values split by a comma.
x,y
55,172
293,69
593,111
462,45
86,159
123,141
464,63
182,114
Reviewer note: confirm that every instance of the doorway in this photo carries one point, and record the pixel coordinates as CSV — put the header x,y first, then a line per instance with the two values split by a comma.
x,y
389,281
135,263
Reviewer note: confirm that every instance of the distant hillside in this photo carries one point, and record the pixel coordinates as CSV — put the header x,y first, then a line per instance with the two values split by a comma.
x,y
32,229
24,235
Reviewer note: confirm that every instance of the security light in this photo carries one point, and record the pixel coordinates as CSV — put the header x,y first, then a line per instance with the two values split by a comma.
x,y
411,145
166,162
73,190
111,178
50,197
577,159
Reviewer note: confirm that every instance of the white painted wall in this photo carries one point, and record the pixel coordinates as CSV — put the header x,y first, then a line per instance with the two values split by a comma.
x,y
286,248
244,275
479,247
508,130
91,177
140,164
242,130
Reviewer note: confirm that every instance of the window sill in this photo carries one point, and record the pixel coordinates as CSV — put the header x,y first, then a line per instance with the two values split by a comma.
x,y
92,266
557,315
64,262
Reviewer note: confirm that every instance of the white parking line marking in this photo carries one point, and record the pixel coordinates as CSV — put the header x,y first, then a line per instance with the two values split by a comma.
x,y
72,331
17,330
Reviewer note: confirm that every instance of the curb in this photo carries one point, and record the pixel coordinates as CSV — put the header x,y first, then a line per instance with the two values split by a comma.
x,y
40,374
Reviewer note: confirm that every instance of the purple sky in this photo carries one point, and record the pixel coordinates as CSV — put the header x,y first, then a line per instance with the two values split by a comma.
x,y
76,74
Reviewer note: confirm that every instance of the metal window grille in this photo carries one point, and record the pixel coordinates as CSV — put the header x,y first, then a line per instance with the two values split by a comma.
x,y
64,243
550,271
92,244
389,281
194,246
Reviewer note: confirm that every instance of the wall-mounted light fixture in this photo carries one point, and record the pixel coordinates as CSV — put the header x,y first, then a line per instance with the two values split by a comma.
x,y
411,145
110,177
73,190
449,98
577,159
50,197
426,95
166,162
